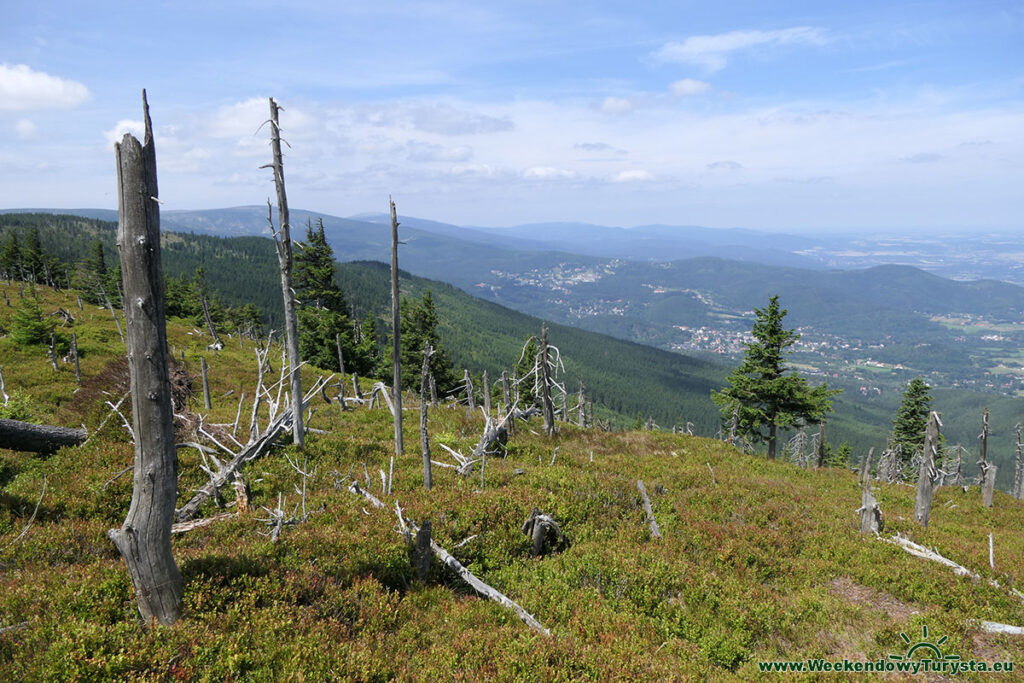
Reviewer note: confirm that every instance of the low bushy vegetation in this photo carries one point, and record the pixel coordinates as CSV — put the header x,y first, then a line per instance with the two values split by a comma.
x,y
760,560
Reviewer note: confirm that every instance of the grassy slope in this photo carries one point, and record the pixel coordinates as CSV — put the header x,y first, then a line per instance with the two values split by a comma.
x,y
760,560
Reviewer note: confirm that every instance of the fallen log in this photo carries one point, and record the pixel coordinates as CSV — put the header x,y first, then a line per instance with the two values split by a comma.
x,y
655,532
25,436
408,529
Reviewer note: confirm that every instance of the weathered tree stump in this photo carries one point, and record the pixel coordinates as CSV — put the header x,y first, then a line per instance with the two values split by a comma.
x,y
928,474
545,533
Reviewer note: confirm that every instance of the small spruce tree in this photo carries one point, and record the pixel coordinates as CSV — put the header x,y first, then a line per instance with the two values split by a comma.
x,y
911,419
768,395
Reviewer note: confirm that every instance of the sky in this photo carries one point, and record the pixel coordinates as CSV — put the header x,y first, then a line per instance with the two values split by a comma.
x,y
791,116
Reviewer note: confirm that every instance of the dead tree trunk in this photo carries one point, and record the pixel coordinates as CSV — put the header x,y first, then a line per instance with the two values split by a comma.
x,y
25,436
648,510
283,243
870,513
1018,474
545,385
506,395
865,467
424,440
74,354
341,373
396,333
487,393
144,540
433,392
581,408
927,474
988,485
355,387
821,444
204,369
983,441
470,398
734,423
51,351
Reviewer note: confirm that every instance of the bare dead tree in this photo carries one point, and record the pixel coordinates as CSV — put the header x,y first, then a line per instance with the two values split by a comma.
x,y
928,474
283,244
74,355
341,373
396,332
987,470
1018,475
467,385
821,444
487,393
144,540
204,370
865,466
581,407
424,440
545,385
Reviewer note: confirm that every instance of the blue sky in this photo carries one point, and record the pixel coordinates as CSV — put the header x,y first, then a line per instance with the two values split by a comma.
x,y
794,116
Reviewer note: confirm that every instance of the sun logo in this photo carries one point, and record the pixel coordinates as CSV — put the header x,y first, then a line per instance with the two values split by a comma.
x,y
924,649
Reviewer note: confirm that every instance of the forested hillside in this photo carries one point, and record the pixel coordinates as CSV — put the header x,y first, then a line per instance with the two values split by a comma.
x,y
623,378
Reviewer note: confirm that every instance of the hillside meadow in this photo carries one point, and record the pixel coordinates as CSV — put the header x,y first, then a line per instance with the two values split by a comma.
x,y
759,561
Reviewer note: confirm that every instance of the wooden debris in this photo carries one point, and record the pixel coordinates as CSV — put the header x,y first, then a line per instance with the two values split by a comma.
x,y
655,532
546,534
445,557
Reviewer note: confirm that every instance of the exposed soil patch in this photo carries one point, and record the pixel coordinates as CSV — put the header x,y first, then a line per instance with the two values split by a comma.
x,y
857,594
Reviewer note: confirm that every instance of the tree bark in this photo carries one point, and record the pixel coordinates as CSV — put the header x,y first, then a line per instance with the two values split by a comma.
x,y
25,436
144,540
772,438
284,257
396,336
927,474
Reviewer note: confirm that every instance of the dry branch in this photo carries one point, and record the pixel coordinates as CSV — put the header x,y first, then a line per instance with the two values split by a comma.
x,y
445,557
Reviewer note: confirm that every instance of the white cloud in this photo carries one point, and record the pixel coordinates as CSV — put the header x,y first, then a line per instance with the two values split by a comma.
x,y
22,88
115,134
548,173
420,151
25,129
712,52
922,158
633,176
689,86
725,166
440,118
616,105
